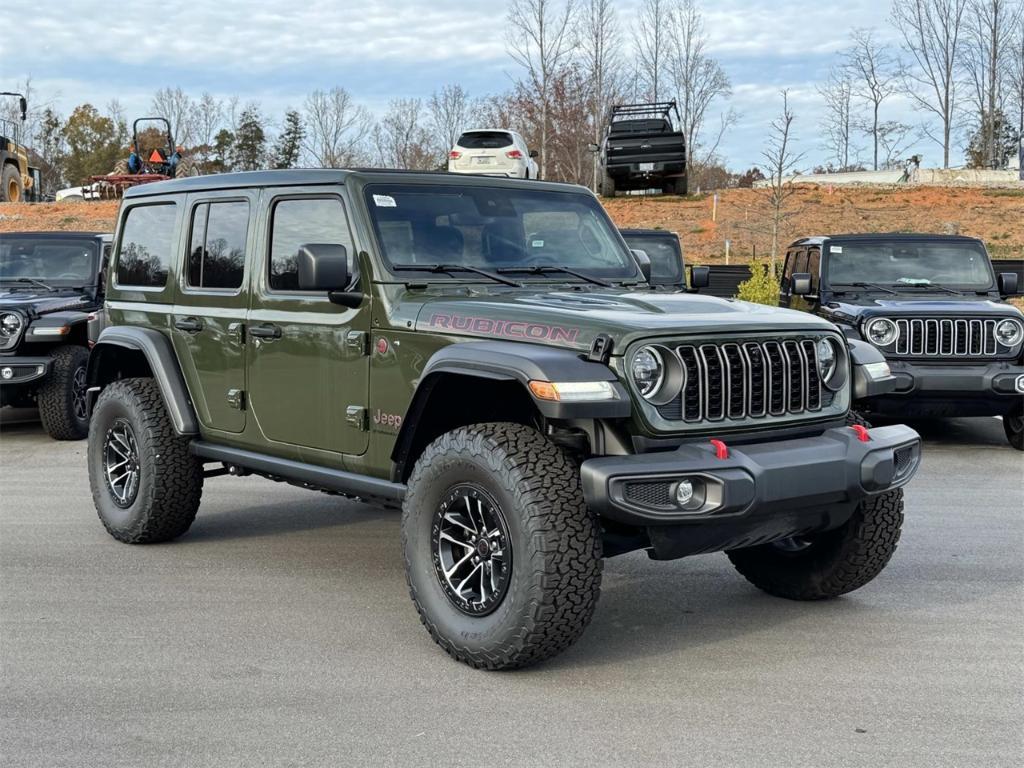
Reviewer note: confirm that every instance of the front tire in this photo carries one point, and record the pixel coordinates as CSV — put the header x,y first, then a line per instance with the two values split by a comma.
x,y
828,564
62,396
11,190
1013,426
507,486
145,482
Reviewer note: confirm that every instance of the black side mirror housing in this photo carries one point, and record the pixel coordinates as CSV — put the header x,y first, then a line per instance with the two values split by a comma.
x,y
801,283
23,104
1008,283
534,153
700,277
643,261
323,267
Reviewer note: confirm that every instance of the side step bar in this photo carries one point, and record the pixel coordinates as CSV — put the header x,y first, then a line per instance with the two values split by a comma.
x,y
311,474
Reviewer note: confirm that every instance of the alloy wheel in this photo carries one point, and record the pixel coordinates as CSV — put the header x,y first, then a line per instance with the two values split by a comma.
x,y
121,463
78,394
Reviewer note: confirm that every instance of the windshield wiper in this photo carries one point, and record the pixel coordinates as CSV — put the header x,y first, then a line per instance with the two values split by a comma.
x,y
441,268
33,281
869,285
933,285
537,269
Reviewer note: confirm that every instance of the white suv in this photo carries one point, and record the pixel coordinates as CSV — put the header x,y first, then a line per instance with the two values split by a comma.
x,y
493,152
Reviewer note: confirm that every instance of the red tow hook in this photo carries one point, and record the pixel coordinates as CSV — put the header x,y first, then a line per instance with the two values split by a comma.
x,y
862,432
721,449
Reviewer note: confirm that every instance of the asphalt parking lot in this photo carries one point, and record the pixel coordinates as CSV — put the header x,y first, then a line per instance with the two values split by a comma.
x,y
278,632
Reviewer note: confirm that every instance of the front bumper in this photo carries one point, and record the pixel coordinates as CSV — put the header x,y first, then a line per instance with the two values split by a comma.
x,y
951,390
22,370
754,483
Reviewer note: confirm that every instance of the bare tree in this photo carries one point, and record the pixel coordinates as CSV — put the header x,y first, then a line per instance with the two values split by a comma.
x,y
401,139
837,122
986,62
540,40
335,128
652,45
874,77
600,45
895,138
780,161
450,110
932,32
178,108
697,79
1015,71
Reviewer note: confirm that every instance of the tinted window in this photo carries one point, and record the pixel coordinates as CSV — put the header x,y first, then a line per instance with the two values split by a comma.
x,y
55,261
485,140
910,263
216,255
664,253
147,240
299,222
814,267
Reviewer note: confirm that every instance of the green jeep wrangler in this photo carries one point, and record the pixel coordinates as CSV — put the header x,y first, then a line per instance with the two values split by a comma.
x,y
476,350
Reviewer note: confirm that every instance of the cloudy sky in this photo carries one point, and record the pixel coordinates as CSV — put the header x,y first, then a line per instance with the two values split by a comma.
x,y
95,50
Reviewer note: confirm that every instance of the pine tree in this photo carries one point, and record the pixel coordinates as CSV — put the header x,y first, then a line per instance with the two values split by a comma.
x,y
250,145
286,155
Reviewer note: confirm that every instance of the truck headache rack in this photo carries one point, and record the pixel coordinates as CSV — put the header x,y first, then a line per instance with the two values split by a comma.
x,y
654,109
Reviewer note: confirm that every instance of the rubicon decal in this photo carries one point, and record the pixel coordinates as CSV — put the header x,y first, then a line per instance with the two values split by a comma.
x,y
511,329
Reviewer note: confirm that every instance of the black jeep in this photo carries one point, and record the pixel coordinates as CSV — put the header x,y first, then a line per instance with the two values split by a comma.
x,y
660,254
50,290
933,306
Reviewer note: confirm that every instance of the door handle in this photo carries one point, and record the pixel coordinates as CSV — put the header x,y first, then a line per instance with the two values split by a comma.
x,y
189,324
265,331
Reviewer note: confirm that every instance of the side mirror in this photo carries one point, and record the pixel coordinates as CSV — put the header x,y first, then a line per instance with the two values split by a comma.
x,y
23,104
801,283
593,147
323,267
643,261
1008,283
534,153
700,277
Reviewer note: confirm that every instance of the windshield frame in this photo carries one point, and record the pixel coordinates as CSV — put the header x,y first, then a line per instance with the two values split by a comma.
x,y
976,245
55,282
376,186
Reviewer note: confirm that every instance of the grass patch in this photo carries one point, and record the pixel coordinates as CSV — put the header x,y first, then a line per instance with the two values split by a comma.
x,y
1003,193
1004,251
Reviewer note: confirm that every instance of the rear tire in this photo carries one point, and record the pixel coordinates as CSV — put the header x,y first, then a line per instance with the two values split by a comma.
x,y
828,564
1013,426
11,189
131,432
545,576
62,395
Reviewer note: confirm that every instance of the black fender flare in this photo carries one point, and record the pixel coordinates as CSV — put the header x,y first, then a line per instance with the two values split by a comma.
x,y
163,363
867,382
61,319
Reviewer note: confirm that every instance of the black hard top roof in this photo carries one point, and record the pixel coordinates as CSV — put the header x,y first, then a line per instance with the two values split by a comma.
x,y
648,232
869,236
328,176
57,233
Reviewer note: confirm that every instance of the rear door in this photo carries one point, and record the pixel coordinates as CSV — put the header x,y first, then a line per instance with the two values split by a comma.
x,y
308,362
207,325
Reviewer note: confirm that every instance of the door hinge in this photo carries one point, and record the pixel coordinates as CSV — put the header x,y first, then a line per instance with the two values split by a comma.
x,y
358,342
236,399
355,415
236,332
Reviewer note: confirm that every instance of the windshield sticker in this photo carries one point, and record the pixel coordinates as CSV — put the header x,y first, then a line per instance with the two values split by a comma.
x,y
537,243
511,329
384,201
836,249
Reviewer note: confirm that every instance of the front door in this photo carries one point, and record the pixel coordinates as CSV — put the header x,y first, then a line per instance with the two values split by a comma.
x,y
210,306
308,358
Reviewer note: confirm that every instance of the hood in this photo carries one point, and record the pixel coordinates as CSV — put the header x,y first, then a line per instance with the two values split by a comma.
x,y
39,302
575,318
923,305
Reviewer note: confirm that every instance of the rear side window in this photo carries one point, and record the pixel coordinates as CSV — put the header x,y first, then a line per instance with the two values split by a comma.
x,y
299,222
216,254
485,140
147,240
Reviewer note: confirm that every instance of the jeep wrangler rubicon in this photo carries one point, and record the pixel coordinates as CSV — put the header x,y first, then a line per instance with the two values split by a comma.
x,y
932,305
50,291
476,349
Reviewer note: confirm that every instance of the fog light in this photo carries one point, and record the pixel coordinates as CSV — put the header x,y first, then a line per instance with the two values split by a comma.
x,y
1019,384
684,492
7,373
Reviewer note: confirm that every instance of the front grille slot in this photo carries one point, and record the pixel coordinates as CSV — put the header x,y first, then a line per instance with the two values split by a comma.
x,y
750,379
937,337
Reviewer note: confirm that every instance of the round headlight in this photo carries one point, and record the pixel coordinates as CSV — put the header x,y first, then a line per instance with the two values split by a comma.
x,y
881,331
10,324
647,370
1009,333
826,354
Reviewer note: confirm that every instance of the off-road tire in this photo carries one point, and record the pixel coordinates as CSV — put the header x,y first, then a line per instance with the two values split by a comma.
x,y
556,545
836,562
121,168
11,189
856,418
607,185
185,167
56,396
170,477
1013,426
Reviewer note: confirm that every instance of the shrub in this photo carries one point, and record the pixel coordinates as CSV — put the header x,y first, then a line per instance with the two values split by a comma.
x,y
762,287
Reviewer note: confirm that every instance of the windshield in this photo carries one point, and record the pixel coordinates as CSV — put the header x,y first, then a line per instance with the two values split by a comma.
x,y
57,262
664,253
900,263
496,228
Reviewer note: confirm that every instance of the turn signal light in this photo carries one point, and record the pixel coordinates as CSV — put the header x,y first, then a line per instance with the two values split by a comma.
x,y
573,391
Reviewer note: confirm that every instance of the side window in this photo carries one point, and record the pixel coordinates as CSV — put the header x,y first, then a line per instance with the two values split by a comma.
x,y
814,267
787,270
216,253
147,239
297,222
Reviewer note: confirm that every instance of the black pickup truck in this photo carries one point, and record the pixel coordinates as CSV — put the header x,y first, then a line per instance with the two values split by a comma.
x,y
643,149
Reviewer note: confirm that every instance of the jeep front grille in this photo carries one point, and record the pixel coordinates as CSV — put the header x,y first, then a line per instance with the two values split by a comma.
x,y
748,380
945,337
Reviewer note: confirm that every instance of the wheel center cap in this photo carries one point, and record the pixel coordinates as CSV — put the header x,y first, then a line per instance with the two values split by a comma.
x,y
483,548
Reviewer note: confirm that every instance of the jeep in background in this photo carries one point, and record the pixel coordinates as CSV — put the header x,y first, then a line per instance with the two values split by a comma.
x,y
478,349
664,252
51,289
643,149
932,305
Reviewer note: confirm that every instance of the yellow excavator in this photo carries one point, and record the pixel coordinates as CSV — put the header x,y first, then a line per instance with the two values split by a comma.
x,y
18,180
